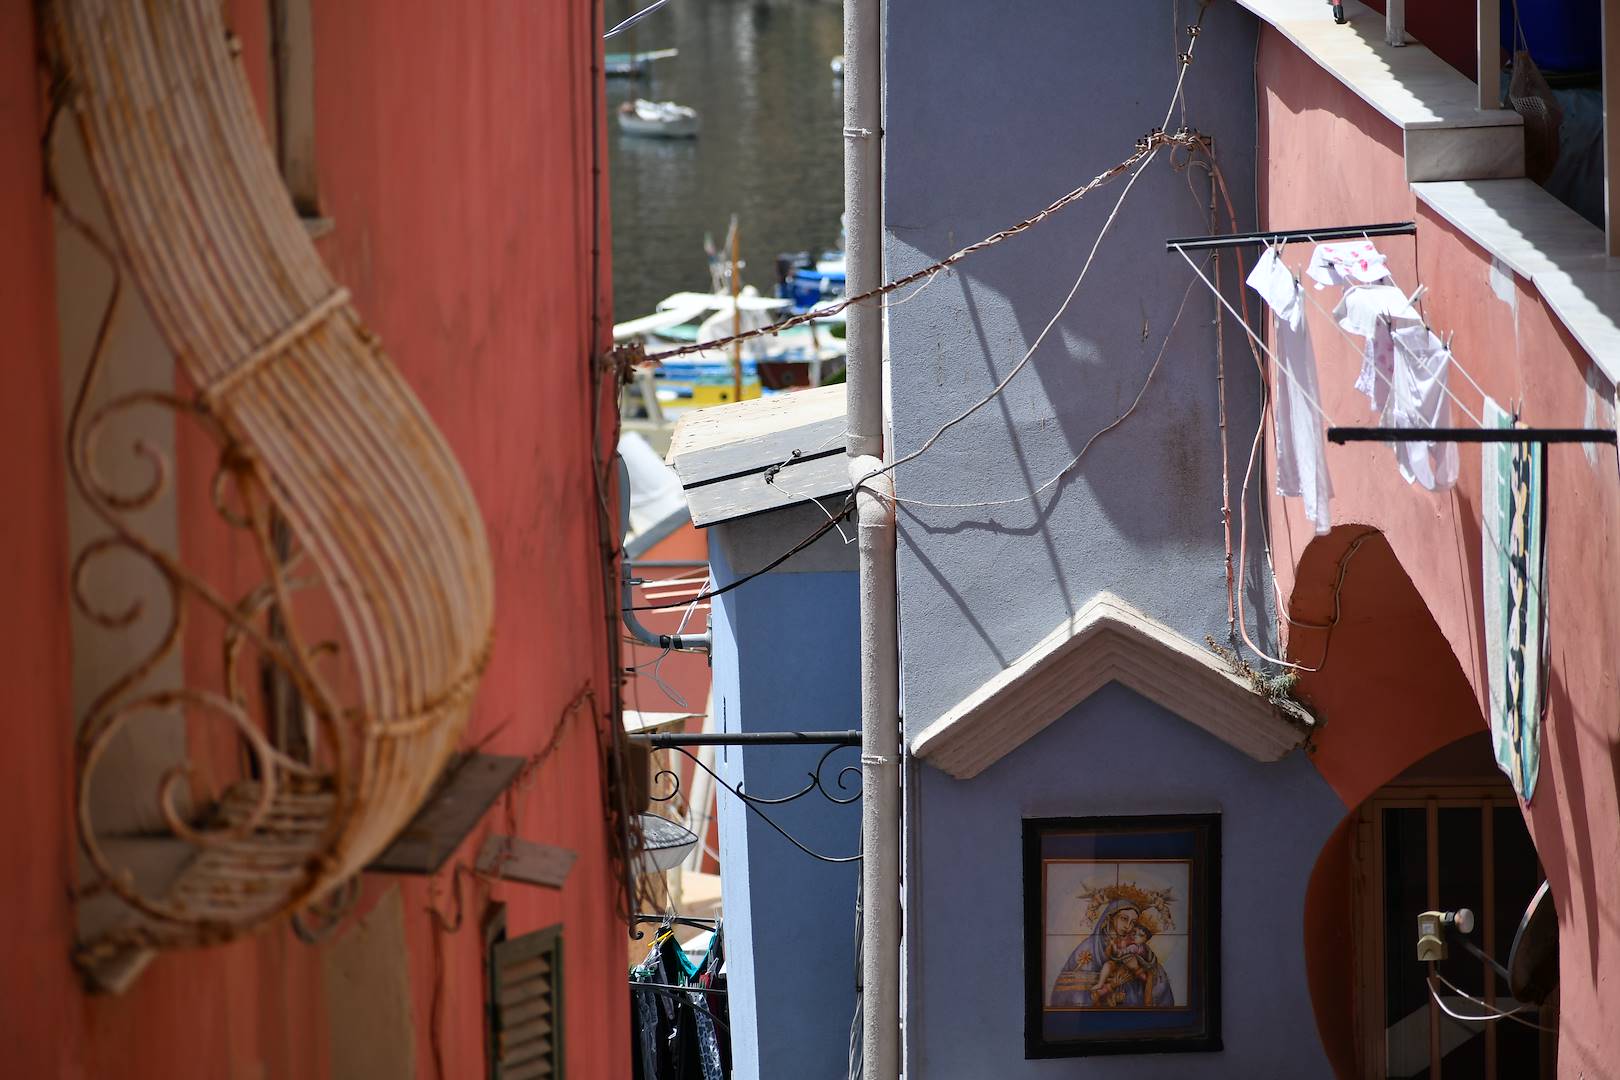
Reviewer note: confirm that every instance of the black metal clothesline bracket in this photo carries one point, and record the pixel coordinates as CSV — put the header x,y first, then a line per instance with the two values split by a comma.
x,y
840,793
1291,236
1471,435
676,739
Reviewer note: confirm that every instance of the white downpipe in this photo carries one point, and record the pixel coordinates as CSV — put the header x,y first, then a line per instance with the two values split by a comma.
x,y
880,655
880,776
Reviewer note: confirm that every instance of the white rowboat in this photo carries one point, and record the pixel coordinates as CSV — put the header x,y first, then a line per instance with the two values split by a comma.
x,y
658,119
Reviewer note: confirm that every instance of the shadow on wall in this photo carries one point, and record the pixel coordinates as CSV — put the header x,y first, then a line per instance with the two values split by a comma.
x,y
1389,689
1141,512
1389,693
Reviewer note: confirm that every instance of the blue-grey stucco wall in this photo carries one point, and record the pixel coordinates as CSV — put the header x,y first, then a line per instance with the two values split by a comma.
x,y
1115,753
786,659
992,111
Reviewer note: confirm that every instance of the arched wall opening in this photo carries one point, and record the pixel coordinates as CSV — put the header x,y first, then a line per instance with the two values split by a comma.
x,y
1388,692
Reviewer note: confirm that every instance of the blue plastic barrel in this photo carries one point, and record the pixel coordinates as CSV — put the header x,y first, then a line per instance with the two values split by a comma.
x,y
1564,35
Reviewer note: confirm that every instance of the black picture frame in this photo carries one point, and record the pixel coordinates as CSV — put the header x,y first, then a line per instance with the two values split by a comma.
x,y
1158,989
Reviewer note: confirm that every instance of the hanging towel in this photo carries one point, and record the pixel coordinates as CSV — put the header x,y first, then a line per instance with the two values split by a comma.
x,y
1512,519
1354,262
1371,312
1417,399
1301,450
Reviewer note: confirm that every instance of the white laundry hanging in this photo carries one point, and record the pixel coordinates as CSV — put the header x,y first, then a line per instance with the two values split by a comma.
x,y
1301,449
1370,312
1353,262
1418,399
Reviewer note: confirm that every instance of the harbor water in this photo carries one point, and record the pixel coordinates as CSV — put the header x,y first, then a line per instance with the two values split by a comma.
x,y
771,149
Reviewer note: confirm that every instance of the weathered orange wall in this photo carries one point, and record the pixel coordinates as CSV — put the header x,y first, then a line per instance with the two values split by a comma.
x,y
1328,158
40,1013
685,673
455,156
1329,970
1412,698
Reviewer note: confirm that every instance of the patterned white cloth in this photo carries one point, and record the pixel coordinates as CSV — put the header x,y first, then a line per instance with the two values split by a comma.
x,y
1417,399
1354,262
1372,312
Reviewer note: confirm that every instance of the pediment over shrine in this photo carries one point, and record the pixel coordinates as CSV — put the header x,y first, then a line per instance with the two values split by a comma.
x,y
1108,640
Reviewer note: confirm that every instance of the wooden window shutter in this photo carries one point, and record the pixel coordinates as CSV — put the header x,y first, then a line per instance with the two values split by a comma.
x,y
526,1007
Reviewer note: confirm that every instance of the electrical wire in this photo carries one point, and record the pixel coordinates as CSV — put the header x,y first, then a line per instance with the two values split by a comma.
x,y
849,503
1145,147
1023,361
1147,150
1140,167
1490,1017
1277,361
1099,433
1247,475
817,534
637,17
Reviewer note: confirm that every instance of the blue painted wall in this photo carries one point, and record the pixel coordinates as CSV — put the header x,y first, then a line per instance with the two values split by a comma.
x,y
1116,753
993,110
786,659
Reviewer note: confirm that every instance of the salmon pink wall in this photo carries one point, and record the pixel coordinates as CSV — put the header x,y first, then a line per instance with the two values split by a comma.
x,y
455,157
1326,157
40,1019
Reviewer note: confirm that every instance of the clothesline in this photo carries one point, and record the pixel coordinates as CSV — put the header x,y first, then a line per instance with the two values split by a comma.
x,y
1283,367
1247,329
1349,340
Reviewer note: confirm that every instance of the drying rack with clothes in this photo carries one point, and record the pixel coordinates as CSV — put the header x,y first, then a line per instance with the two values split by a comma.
x,y
681,1020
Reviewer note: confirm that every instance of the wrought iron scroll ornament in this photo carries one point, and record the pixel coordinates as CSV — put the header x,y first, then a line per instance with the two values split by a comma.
x,y
375,608
842,793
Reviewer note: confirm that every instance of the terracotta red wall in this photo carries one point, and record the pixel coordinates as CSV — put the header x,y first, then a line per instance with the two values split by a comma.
x,y
1326,157
39,1018
455,157
1445,27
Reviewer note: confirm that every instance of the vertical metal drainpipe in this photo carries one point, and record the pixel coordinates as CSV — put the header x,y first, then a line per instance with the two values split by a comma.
x,y
880,676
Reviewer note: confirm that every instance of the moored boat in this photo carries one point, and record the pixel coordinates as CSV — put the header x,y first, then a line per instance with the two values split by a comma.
x,y
658,119
625,65
800,356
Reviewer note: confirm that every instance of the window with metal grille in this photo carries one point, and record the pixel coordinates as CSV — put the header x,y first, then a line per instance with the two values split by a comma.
x,y
525,1014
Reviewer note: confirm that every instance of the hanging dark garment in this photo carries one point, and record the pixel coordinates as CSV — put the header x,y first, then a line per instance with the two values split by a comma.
x,y
713,1015
667,1039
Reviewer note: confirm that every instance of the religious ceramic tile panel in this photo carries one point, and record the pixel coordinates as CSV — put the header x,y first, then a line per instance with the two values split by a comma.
x,y
1121,934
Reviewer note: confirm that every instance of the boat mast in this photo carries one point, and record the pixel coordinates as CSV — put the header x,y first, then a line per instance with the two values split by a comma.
x,y
736,317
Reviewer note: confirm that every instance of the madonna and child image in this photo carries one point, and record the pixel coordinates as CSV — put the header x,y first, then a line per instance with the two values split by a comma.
x,y
1116,934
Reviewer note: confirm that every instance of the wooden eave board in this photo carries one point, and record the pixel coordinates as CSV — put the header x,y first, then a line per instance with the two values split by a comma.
x,y
724,440
469,788
516,859
749,494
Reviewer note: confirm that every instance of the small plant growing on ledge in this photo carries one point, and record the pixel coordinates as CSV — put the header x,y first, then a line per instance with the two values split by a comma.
x,y
1277,689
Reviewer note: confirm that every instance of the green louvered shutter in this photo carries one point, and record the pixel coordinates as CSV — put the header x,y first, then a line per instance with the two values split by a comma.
x,y
526,1006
